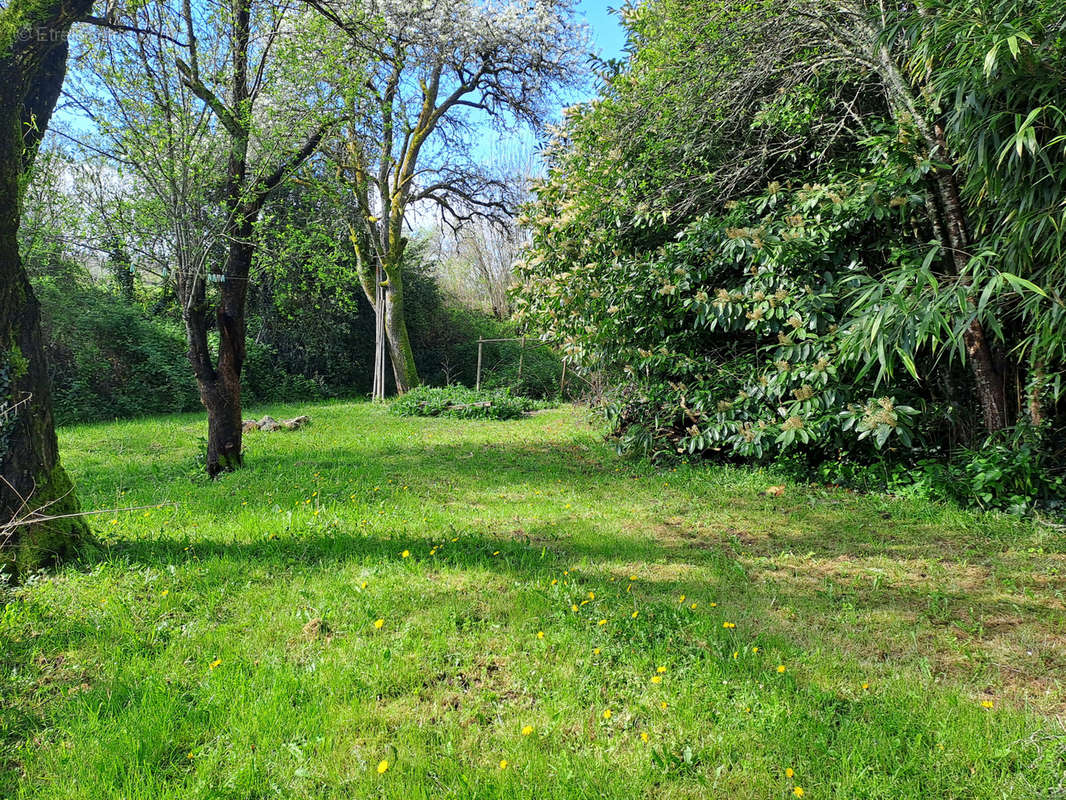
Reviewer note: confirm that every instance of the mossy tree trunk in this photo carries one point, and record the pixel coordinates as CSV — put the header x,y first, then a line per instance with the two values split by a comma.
x,y
33,58
402,356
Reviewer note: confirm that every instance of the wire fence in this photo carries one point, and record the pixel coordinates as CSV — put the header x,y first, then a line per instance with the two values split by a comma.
x,y
524,344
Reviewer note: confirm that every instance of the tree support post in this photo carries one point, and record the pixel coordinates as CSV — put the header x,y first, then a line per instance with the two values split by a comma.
x,y
480,343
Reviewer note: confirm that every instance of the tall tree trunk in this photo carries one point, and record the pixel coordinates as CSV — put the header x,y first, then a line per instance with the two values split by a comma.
x,y
989,381
32,478
33,58
220,387
953,230
400,352
223,404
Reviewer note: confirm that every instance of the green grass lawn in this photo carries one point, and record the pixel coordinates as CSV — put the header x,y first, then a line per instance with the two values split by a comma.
x,y
507,609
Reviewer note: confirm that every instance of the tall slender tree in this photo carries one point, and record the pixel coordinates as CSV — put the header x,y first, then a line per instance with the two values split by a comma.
x,y
245,190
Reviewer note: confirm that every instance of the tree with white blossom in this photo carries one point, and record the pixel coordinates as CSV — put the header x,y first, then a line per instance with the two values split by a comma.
x,y
436,72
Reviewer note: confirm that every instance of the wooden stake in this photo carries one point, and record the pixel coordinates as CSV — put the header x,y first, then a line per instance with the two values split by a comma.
x,y
480,342
379,338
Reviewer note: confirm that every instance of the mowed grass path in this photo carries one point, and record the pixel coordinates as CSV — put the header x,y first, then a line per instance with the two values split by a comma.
x,y
409,608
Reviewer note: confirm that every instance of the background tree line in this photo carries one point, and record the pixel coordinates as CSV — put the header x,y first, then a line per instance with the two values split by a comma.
x,y
112,322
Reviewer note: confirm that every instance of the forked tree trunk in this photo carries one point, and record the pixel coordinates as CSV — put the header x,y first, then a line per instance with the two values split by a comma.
x,y
33,56
220,386
222,399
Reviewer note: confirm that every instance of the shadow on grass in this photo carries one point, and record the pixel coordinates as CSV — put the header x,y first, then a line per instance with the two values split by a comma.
x,y
833,537
812,550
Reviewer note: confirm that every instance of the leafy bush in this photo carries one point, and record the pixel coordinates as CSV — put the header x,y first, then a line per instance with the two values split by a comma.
x,y
458,401
755,288
1019,471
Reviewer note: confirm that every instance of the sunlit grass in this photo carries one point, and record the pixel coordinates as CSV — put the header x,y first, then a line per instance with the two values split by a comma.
x,y
407,608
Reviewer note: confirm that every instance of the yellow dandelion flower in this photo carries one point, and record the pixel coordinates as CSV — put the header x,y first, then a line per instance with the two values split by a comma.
x,y
780,667
592,595
729,625
987,704
540,634
661,670
693,606
495,552
114,522
405,554
736,654
165,592
503,764
714,605
636,614
595,651
378,623
632,577
574,607
798,791
190,755
607,713
362,585
663,705
383,767
755,649
602,622
215,663
865,686
644,736
681,599
527,730
657,679
585,602
555,581
789,772
433,552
